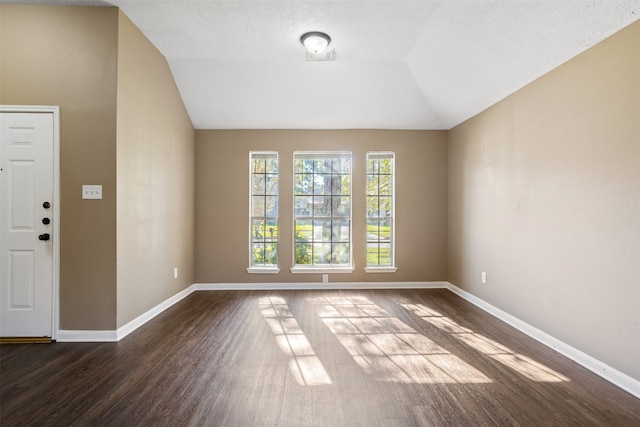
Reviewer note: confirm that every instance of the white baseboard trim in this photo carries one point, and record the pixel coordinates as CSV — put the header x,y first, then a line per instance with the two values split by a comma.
x,y
117,335
318,286
114,336
145,317
605,371
624,381
86,336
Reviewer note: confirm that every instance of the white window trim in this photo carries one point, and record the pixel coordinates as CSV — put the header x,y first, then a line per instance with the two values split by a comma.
x,y
262,269
380,269
385,268
317,269
302,269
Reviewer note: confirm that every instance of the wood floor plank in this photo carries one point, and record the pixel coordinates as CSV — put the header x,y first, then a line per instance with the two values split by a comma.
x,y
308,358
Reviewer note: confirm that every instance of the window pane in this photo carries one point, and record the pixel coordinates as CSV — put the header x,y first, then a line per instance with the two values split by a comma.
x,y
384,206
304,231
336,185
272,185
258,184
340,231
302,206
303,184
372,185
340,253
322,165
337,165
271,254
259,165
271,231
344,207
345,181
346,164
303,253
257,230
384,185
322,231
385,254
257,204
271,206
386,166
322,253
257,251
372,254
321,184
271,166
373,230
384,231
307,166
372,206
322,206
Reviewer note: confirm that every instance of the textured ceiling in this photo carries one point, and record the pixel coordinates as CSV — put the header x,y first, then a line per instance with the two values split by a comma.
x,y
399,65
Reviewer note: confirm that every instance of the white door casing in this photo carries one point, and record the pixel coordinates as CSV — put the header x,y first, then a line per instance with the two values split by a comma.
x,y
29,247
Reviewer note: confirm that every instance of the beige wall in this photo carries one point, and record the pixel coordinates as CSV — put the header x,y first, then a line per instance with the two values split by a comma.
x,y
66,56
124,126
544,195
155,143
222,201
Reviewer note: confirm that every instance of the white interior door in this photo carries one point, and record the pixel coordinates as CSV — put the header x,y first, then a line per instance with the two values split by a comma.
x,y
26,222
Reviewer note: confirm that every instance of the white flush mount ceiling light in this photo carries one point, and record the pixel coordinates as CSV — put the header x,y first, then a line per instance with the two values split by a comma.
x,y
316,43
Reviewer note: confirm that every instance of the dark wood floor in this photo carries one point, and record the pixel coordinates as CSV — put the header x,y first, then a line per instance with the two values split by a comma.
x,y
296,358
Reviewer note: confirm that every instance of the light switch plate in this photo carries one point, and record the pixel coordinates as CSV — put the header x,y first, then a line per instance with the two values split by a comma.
x,y
92,191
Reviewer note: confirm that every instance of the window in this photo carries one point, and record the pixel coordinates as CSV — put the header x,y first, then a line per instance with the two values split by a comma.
x,y
380,212
322,211
263,227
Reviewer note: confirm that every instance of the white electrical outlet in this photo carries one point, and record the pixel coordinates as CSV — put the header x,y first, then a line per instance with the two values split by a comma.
x,y
325,278
484,277
92,192
175,273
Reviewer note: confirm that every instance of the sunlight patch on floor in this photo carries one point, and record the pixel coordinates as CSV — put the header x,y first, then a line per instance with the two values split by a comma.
x,y
387,348
524,365
305,366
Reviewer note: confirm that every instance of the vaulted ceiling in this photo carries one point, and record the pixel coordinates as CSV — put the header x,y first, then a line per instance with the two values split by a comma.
x,y
399,64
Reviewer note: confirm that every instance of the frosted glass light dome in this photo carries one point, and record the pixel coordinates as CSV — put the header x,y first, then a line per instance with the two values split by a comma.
x,y
315,41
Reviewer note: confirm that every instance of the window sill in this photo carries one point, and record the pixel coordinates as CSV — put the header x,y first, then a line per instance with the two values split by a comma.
x,y
320,270
263,270
380,269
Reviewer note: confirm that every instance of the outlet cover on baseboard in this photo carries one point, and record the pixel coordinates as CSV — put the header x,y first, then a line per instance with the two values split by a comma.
x,y
484,277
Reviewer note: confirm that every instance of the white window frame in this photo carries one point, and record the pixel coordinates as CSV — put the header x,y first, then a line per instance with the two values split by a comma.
x,y
262,269
382,268
322,268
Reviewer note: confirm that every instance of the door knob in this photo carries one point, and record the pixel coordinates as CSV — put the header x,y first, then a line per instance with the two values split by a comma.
x,y
46,205
46,221
44,236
